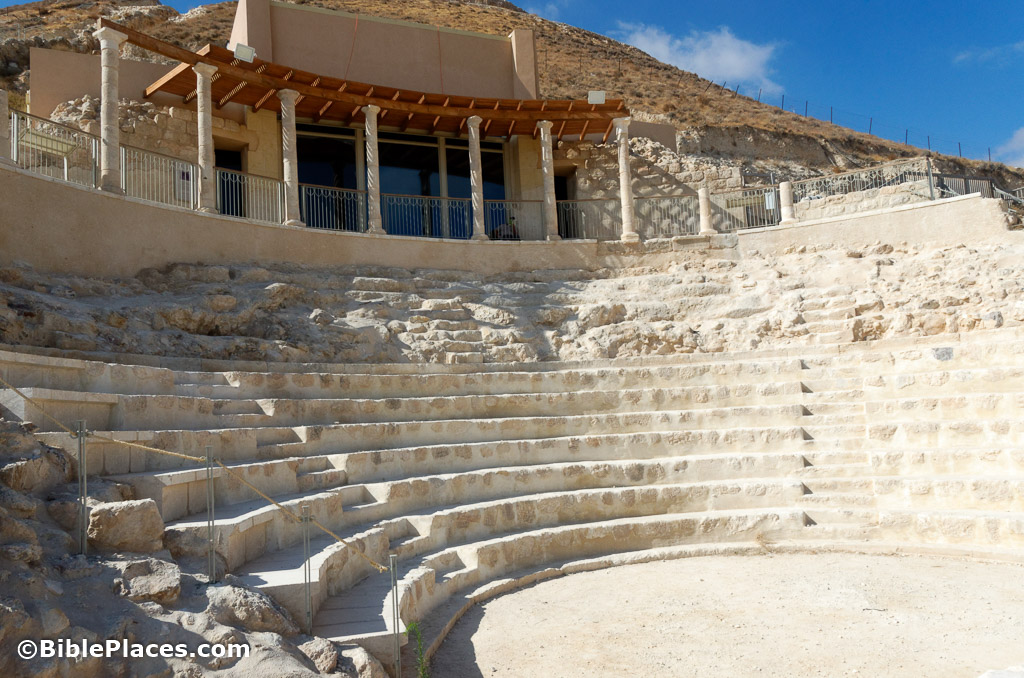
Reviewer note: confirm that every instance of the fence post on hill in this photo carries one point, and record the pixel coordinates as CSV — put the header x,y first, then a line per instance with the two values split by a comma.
x,y
83,490
931,179
211,548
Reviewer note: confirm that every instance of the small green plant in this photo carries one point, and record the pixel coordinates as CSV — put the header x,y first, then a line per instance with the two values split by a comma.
x,y
422,665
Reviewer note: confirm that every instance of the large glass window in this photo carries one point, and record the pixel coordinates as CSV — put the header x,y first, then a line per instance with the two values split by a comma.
x,y
327,161
421,195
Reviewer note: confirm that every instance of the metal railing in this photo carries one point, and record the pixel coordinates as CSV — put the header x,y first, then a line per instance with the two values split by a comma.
x,y
426,216
159,178
590,219
666,217
748,208
1019,192
958,184
514,219
891,174
54,150
336,209
250,196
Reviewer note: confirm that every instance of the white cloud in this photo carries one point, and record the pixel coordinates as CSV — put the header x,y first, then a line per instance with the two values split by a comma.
x,y
717,55
1012,152
1002,54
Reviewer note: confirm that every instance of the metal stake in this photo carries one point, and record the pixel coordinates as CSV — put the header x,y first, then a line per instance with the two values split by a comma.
x,y
211,549
83,490
306,567
394,611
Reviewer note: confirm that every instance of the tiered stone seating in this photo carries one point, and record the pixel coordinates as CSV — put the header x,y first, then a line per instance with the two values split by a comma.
x,y
480,477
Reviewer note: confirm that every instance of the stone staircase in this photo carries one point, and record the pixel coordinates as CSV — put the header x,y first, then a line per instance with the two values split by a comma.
x,y
481,477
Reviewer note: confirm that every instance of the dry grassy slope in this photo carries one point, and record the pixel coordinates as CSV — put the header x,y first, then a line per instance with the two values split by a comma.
x,y
571,62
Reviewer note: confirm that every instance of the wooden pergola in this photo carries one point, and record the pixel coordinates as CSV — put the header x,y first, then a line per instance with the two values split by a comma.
x,y
324,97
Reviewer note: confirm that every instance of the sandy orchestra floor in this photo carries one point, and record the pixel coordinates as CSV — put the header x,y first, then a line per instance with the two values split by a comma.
x,y
773,615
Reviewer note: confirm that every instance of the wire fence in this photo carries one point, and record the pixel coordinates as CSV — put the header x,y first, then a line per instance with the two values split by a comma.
x,y
335,209
250,196
747,208
891,174
54,150
159,178
666,217
514,219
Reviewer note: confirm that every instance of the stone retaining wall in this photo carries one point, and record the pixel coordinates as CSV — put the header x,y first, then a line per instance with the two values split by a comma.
x,y
861,201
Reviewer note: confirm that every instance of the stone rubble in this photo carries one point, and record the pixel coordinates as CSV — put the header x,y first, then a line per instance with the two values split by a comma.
x,y
47,592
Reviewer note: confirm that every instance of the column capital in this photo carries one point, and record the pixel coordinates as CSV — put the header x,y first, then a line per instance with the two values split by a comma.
x,y
621,124
474,121
287,96
544,125
371,110
204,69
108,37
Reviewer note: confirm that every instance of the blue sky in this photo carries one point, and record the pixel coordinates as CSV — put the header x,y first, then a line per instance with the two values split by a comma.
x,y
950,71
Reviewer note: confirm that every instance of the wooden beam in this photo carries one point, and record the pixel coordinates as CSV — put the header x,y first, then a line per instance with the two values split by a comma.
x,y
586,124
298,99
271,92
511,126
608,133
236,89
326,107
561,128
275,83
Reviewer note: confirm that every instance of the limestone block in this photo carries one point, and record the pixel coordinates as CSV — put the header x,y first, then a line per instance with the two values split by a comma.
x,y
149,579
134,526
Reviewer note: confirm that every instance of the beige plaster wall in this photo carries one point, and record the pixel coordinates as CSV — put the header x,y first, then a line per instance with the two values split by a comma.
x,y
528,178
60,227
391,53
58,76
953,221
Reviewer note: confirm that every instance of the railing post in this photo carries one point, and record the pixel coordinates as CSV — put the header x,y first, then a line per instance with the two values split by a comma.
x,y
15,145
6,125
110,129
306,567
704,206
211,524
786,210
397,632
83,490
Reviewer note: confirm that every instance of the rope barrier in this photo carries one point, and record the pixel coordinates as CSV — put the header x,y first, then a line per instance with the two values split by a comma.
x,y
234,474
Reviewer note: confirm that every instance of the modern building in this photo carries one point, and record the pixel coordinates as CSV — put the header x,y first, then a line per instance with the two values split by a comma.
x,y
323,119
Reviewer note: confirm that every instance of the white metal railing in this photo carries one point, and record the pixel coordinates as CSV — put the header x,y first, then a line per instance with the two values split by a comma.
x,y
514,219
336,209
891,174
1019,192
426,216
159,178
666,217
54,150
590,219
747,208
250,196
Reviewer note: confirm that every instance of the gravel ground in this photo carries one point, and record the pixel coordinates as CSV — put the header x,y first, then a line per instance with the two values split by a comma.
x,y
774,615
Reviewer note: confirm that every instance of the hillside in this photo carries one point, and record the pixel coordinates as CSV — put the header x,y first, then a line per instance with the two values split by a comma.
x,y
572,61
